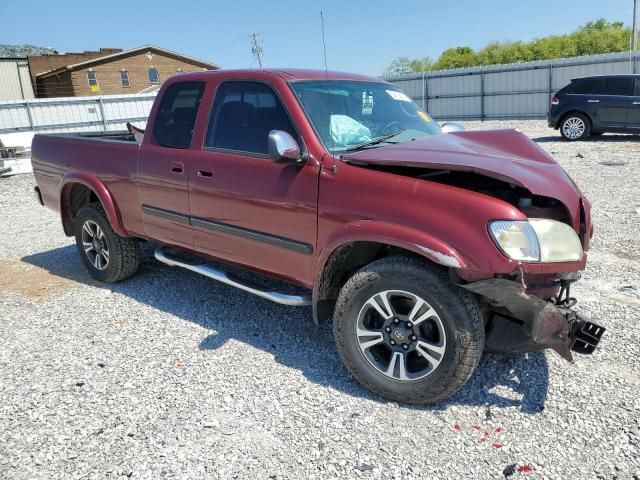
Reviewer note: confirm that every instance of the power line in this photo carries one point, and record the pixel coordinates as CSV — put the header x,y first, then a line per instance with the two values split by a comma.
x,y
256,47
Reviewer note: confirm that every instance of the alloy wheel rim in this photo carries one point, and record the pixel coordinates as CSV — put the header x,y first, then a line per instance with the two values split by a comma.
x,y
573,128
95,245
401,335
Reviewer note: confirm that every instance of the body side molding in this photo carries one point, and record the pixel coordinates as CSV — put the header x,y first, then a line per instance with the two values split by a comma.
x,y
258,236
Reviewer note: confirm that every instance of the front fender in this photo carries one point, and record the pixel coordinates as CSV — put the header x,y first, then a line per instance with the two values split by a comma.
x,y
99,189
400,236
383,233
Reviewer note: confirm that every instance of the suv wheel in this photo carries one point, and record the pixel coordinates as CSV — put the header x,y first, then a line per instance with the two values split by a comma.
x,y
575,126
108,256
405,332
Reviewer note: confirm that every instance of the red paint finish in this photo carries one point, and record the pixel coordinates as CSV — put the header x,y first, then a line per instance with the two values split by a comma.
x,y
105,197
103,167
255,193
325,203
163,182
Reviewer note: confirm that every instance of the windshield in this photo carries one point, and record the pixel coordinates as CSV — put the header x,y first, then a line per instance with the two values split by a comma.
x,y
357,115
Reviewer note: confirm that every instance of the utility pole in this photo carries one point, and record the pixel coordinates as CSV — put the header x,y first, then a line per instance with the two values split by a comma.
x,y
634,28
256,47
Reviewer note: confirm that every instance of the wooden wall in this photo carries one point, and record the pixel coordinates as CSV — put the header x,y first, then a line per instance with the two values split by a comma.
x,y
55,86
108,73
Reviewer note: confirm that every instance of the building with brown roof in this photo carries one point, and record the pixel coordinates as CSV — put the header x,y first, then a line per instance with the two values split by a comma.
x,y
109,71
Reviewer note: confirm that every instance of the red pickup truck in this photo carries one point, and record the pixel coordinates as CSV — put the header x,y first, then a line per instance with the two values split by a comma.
x,y
425,247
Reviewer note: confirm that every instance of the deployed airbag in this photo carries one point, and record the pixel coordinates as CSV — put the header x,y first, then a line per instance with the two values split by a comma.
x,y
346,131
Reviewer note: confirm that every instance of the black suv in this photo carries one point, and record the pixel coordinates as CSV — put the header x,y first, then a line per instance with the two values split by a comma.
x,y
594,105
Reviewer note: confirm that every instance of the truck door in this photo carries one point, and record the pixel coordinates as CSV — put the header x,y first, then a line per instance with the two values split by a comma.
x,y
615,101
245,208
163,166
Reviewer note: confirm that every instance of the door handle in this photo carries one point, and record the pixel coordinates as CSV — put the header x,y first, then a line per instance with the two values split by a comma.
x,y
177,167
593,101
205,173
636,103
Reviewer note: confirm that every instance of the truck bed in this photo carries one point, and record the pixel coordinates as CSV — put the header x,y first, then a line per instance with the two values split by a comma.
x,y
108,157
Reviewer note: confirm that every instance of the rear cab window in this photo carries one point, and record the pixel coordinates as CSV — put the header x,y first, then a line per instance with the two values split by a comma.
x,y
243,114
176,118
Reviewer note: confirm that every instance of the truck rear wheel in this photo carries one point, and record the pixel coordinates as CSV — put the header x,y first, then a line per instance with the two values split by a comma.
x,y
108,257
406,333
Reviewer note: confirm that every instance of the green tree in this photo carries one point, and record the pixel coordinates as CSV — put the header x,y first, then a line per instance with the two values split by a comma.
x,y
402,65
595,37
399,66
423,64
455,58
504,52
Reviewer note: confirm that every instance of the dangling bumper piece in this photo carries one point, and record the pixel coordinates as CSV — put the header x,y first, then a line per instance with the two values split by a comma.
x,y
519,322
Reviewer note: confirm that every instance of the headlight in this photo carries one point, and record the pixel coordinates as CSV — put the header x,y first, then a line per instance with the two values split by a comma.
x,y
536,240
516,239
558,241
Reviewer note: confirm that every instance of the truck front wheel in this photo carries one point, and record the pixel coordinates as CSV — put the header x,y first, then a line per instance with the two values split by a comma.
x,y
405,332
108,257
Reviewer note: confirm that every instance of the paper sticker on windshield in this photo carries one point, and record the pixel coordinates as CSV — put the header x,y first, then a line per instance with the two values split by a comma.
x,y
367,103
424,116
396,95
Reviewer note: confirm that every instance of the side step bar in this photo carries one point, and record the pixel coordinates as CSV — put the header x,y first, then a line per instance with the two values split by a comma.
x,y
203,269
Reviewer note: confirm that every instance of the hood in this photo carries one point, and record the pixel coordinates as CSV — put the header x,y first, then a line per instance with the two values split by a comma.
x,y
506,155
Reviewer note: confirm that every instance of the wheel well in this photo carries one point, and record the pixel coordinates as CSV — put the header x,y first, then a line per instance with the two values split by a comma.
x,y
75,196
342,264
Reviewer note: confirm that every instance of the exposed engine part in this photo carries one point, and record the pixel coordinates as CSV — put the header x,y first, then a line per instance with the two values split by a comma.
x,y
564,299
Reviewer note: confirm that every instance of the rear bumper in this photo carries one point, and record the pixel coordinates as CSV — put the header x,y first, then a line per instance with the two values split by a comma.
x,y
519,322
553,118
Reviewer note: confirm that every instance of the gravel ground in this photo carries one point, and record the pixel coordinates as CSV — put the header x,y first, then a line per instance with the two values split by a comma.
x,y
171,375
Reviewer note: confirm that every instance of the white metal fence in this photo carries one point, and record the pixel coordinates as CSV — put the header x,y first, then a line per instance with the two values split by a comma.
x,y
517,90
75,114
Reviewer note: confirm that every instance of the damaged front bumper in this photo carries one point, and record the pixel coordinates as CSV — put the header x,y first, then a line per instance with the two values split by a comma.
x,y
519,322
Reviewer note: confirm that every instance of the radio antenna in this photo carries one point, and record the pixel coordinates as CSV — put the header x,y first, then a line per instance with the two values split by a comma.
x,y
326,78
324,46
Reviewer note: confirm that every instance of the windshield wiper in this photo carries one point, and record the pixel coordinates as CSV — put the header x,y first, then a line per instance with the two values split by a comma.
x,y
374,141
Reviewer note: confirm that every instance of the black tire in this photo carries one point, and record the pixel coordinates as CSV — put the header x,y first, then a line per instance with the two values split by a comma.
x,y
123,253
582,128
457,309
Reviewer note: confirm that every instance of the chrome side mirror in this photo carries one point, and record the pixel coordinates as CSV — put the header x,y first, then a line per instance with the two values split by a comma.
x,y
451,127
283,147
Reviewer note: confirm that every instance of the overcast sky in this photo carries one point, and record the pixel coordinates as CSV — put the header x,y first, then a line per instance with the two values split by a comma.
x,y
362,36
